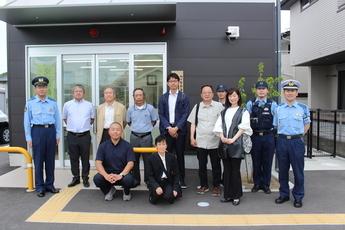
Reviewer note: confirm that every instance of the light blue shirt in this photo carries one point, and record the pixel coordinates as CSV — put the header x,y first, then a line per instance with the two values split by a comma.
x,y
78,115
39,112
260,103
291,119
141,119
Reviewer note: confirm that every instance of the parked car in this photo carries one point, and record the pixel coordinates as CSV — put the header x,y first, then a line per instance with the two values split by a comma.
x,y
4,130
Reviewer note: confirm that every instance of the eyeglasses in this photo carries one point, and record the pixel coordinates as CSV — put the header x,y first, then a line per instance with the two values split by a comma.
x,y
173,81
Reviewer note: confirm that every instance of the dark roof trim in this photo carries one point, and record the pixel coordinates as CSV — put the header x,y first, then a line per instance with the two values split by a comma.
x,y
89,14
286,4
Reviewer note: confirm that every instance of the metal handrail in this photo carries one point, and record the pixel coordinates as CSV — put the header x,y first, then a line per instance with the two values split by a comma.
x,y
29,160
144,149
28,164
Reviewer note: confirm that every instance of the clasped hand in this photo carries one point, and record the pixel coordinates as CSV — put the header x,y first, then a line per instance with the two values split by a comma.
x,y
112,178
227,140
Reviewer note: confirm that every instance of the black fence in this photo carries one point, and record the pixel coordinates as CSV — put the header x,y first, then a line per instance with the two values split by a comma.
x,y
326,134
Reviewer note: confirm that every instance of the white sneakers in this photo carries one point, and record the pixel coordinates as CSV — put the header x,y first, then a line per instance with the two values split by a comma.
x,y
110,194
126,197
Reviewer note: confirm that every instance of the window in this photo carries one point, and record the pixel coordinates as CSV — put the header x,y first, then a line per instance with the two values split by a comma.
x,y
306,3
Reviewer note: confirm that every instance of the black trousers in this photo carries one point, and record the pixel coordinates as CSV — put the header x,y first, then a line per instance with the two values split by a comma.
x,y
232,178
79,147
179,145
167,191
105,135
127,182
215,163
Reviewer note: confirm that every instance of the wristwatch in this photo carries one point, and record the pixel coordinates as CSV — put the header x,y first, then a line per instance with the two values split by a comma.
x,y
121,174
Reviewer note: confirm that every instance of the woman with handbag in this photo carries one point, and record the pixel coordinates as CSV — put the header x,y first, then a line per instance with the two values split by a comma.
x,y
230,126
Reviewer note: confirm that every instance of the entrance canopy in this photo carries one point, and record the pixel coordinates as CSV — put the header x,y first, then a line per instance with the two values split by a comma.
x,y
31,13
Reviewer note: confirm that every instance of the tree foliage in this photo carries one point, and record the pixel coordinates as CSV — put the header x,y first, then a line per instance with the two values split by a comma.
x,y
272,83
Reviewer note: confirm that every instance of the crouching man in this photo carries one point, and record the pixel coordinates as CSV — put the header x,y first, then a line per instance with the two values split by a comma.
x,y
114,162
163,173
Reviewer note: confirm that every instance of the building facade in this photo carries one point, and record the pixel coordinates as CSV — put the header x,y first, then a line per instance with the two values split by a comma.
x,y
318,43
132,44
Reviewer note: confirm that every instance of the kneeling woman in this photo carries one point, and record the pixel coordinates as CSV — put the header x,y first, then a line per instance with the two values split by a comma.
x,y
230,126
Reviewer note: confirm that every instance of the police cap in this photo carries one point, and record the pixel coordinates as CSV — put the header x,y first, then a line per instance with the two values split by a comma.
x,y
290,84
261,85
40,81
221,87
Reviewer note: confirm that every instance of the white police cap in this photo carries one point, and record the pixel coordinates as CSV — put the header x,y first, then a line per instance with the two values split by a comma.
x,y
290,84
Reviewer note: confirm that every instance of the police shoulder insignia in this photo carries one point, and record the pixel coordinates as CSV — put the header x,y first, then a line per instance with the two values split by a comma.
x,y
298,114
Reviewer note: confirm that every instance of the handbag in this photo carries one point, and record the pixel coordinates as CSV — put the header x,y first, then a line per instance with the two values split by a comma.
x,y
246,140
247,143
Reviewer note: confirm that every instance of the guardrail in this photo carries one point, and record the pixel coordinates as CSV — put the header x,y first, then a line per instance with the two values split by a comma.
x,y
28,164
29,160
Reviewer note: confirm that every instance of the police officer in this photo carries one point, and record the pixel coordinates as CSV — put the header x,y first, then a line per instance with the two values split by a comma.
x,y
221,93
292,121
42,133
261,111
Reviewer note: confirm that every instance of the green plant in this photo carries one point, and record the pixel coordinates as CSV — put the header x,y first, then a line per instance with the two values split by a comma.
x,y
241,83
272,83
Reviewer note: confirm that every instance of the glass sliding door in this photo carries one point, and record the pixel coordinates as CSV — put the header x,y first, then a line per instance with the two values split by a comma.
x,y
97,66
113,71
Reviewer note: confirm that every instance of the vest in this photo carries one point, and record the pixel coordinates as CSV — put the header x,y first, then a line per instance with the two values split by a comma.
x,y
261,117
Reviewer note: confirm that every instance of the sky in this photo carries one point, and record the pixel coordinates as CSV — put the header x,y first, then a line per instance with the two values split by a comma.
x,y
285,25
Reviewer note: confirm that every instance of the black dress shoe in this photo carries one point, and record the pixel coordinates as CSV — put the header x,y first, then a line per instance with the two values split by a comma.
x,y
298,204
236,202
40,193
151,200
266,189
281,200
74,183
256,188
54,190
86,183
226,200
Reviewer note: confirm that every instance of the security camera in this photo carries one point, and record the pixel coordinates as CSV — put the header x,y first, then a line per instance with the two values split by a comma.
x,y
228,33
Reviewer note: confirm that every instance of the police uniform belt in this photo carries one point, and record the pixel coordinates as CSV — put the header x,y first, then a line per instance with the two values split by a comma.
x,y
290,137
43,126
79,134
141,134
263,133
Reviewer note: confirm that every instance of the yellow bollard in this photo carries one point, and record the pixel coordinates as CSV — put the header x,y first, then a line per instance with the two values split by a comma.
x,y
28,164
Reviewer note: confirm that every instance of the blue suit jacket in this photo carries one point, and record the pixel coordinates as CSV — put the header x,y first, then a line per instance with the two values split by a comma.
x,y
181,113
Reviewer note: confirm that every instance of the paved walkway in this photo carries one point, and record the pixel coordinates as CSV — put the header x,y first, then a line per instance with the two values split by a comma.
x,y
84,208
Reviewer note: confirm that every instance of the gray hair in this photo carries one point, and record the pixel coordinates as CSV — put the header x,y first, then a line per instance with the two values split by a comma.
x,y
112,88
78,86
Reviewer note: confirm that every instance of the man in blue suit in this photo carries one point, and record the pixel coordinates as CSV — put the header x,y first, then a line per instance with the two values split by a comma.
x,y
173,110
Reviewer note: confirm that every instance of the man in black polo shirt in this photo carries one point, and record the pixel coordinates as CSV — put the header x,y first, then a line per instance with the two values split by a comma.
x,y
114,162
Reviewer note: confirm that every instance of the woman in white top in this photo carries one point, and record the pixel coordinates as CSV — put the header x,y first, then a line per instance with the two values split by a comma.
x,y
230,126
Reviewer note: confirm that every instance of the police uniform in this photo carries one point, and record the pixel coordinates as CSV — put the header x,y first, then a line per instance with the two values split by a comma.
x,y
291,121
42,127
261,121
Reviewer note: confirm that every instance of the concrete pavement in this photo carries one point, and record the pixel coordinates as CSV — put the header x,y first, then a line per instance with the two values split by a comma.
x,y
81,208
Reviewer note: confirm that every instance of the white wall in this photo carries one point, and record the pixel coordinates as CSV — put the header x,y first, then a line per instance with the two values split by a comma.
x,y
317,31
300,74
323,90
